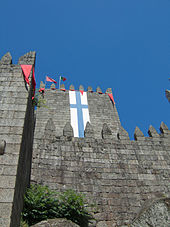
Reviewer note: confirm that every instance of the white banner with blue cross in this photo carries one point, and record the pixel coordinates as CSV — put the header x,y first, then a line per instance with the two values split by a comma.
x,y
79,112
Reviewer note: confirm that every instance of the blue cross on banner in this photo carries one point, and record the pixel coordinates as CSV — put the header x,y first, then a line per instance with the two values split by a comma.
x,y
79,112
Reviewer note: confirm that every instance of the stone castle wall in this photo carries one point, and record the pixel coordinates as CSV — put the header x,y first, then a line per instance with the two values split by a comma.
x,y
116,174
16,138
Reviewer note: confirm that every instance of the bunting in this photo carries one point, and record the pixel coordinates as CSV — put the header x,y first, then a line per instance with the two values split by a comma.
x,y
26,71
42,90
81,91
111,97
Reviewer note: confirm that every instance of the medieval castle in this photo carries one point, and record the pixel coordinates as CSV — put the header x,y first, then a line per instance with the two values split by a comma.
x,y
78,142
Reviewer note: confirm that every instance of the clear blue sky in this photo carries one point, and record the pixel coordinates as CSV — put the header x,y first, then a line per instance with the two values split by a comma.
x,y
122,44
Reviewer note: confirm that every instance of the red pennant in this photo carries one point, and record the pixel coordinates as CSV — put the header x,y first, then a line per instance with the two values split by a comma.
x,y
81,91
26,70
50,79
42,90
111,97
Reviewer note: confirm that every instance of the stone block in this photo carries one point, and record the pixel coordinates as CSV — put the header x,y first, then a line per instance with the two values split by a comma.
x,y
7,181
6,195
6,59
4,222
8,159
9,170
5,210
27,59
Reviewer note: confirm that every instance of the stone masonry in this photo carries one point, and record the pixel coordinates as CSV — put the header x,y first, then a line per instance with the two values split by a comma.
x,y
116,174
16,137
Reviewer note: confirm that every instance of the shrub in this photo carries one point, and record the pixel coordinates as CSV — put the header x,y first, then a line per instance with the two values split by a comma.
x,y
39,100
41,203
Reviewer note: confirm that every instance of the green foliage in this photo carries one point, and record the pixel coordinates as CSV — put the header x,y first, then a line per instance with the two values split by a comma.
x,y
41,203
23,223
39,100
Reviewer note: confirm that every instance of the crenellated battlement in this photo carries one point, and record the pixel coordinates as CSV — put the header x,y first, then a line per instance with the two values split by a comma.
x,y
81,88
101,108
105,131
118,174
27,59
79,143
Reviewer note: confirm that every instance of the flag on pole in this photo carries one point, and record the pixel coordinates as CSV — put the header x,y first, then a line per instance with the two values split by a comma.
x,y
50,80
62,78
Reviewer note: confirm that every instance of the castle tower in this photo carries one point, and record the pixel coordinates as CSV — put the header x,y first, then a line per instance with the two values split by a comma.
x,y
16,137
97,108
96,157
78,143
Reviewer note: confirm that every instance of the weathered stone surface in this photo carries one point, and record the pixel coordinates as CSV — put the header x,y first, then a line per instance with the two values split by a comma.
x,y
88,133
90,89
106,224
138,134
99,90
50,130
62,87
106,132
109,91
27,59
50,127
68,130
164,128
117,175
156,213
152,132
6,59
2,146
123,134
16,136
5,210
58,222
